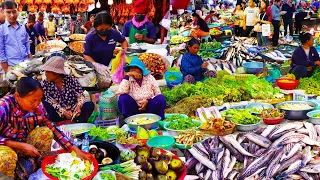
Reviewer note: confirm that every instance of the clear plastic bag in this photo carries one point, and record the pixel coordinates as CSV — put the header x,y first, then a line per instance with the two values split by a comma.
x,y
38,175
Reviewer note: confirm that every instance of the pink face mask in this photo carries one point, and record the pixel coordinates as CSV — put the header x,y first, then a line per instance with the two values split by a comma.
x,y
139,24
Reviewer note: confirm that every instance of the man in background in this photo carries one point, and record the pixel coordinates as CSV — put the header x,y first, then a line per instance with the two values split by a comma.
x,y
2,17
50,27
78,27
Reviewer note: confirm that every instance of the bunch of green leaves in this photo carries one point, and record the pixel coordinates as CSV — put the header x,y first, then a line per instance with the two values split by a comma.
x,y
243,116
259,88
174,117
183,124
99,132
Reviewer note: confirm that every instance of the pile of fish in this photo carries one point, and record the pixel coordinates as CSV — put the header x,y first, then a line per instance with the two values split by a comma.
x,y
284,151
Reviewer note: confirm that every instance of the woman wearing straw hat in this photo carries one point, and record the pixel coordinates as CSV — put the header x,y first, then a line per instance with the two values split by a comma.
x,y
64,99
139,92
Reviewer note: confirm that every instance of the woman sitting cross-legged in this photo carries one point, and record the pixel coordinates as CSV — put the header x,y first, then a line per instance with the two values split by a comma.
x,y
64,99
139,92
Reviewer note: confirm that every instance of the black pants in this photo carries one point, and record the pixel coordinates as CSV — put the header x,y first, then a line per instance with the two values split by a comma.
x,y
238,30
248,31
298,25
275,37
86,111
288,22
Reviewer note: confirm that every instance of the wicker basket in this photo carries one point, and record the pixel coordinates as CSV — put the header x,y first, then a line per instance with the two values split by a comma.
x,y
108,105
120,176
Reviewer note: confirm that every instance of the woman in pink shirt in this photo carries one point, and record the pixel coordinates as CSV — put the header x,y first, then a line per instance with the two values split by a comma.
x,y
139,92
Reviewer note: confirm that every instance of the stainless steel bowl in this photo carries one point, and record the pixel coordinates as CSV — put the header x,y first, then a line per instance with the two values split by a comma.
x,y
174,133
312,119
258,106
153,125
248,127
296,114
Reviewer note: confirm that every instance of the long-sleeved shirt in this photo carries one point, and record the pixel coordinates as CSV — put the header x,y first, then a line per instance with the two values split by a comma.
x,y
140,91
289,10
192,65
40,29
65,99
16,125
275,11
299,57
14,44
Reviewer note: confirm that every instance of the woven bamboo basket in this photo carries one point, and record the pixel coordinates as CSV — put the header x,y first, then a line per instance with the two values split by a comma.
x,y
120,176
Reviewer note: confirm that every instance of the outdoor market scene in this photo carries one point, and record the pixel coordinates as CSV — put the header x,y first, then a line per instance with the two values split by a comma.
x,y
159,90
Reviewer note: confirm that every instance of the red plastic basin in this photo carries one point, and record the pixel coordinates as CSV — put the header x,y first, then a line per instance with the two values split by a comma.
x,y
287,85
271,121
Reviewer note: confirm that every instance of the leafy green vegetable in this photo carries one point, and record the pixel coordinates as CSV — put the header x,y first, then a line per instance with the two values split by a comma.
x,y
107,176
174,117
311,84
183,124
243,116
100,132
316,115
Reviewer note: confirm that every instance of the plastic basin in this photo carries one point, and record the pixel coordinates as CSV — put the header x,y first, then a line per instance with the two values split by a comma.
x,y
312,119
287,85
271,121
253,67
164,142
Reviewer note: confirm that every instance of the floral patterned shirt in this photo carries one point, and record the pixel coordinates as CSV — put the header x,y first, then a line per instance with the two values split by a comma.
x,y
148,88
16,125
67,98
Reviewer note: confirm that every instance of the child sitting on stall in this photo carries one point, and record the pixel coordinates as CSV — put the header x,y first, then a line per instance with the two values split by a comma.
x,y
192,66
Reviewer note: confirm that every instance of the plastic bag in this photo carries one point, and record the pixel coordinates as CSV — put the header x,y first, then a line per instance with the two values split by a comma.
x,y
38,175
98,176
118,76
173,77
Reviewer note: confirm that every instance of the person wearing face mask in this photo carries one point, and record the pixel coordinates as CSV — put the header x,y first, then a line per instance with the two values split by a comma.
x,y
139,92
33,34
139,29
39,26
101,42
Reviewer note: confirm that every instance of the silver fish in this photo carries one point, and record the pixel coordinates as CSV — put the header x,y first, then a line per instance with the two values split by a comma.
x,y
306,157
257,164
230,166
280,139
300,137
303,131
277,136
296,125
257,172
273,163
295,176
241,137
305,175
232,150
297,147
237,145
284,165
317,127
314,168
268,130
312,130
258,139
315,161
291,170
225,162
232,175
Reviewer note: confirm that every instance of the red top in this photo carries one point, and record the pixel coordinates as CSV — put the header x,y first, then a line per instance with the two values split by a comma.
x,y
269,14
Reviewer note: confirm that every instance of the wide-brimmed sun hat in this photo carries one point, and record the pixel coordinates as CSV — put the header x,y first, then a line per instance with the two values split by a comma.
x,y
135,62
54,64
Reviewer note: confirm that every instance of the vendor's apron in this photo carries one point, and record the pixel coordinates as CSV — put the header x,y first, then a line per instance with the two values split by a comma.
x,y
134,31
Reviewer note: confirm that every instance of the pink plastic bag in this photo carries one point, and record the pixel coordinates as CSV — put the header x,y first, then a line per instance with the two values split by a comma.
x,y
118,76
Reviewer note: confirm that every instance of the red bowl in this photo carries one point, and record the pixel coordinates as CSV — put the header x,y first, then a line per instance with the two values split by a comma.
x,y
287,85
271,121
144,141
52,159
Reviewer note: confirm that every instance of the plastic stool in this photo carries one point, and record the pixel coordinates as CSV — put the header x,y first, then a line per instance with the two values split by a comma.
x,y
228,32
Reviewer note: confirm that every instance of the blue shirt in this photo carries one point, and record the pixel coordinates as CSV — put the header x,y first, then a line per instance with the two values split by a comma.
x,y
102,50
192,65
14,44
148,25
316,4
32,34
275,11
40,29
299,57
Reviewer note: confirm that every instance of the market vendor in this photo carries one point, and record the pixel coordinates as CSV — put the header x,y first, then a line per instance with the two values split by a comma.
x,y
25,130
139,29
78,27
192,66
212,17
305,57
64,99
200,27
101,42
50,27
139,92
13,50
39,27
33,34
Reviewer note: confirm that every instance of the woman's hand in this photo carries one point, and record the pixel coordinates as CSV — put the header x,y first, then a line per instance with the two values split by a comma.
x,y
81,154
67,114
77,110
101,69
204,65
309,68
29,150
143,105
317,63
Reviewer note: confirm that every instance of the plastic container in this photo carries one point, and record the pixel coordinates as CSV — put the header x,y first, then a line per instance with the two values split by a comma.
x,y
108,105
147,126
253,67
174,133
144,141
312,119
271,121
162,123
112,151
52,159
163,142
85,143
106,123
287,85
247,127
259,106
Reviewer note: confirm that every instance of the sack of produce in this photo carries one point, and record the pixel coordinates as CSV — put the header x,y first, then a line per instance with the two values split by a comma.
x,y
173,77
